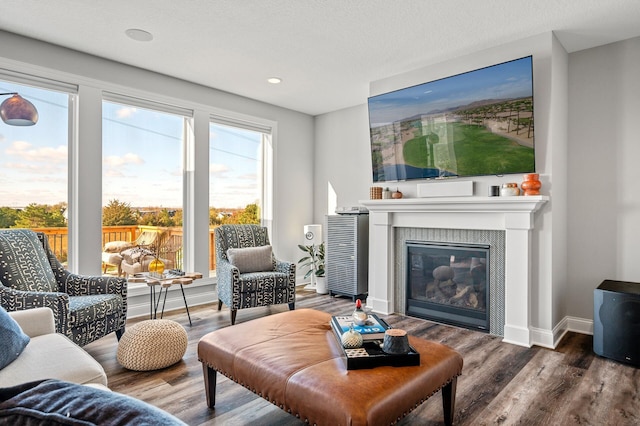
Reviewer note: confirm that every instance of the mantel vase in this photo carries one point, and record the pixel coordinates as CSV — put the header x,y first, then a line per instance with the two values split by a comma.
x,y
531,184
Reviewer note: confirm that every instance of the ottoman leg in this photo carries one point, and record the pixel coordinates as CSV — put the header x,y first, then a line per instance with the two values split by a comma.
x,y
449,401
209,384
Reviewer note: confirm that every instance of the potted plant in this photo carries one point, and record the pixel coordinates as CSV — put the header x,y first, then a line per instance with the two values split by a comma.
x,y
314,261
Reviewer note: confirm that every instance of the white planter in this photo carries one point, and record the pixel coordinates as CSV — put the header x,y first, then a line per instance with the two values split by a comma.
x,y
321,285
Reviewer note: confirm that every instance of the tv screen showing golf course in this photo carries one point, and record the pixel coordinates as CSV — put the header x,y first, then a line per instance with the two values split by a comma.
x,y
472,124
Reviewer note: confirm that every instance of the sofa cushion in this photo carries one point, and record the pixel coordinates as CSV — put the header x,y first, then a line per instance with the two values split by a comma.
x,y
12,339
23,262
53,356
55,402
251,259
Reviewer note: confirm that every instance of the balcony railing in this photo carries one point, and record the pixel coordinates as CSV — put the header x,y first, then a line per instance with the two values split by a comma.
x,y
58,241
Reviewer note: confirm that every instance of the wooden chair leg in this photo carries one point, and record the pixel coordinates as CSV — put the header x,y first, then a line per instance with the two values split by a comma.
x,y
292,306
233,316
209,385
219,304
449,401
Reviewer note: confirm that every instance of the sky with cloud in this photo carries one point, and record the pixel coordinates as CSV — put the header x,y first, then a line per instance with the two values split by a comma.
x,y
142,157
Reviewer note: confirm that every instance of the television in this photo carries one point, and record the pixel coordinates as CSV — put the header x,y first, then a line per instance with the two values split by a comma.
x,y
473,124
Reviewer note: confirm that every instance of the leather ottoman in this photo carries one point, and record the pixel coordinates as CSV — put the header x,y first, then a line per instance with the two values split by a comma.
x,y
294,361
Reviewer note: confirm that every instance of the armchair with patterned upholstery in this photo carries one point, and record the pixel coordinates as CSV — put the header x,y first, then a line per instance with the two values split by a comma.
x,y
85,308
248,273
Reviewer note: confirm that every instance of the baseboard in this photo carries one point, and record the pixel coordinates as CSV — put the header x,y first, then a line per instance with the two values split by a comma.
x,y
551,339
579,325
542,337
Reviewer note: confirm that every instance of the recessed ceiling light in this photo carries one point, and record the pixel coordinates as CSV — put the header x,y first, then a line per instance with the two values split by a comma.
x,y
139,35
274,80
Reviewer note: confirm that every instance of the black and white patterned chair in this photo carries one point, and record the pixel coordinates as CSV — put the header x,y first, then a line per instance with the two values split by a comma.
x,y
85,308
248,273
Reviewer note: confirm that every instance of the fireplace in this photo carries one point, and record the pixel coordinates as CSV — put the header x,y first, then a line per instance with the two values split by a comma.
x,y
512,301
448,282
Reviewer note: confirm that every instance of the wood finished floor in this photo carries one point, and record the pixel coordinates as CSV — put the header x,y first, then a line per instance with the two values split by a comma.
x,y
500,384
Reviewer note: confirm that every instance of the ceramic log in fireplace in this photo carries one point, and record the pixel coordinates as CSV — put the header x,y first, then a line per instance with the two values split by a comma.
x,y
449,283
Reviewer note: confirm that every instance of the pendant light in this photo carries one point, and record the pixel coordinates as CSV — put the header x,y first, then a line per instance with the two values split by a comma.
x,y
17,111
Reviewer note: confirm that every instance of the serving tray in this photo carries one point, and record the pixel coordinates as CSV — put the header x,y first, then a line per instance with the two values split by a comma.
x,y
370,355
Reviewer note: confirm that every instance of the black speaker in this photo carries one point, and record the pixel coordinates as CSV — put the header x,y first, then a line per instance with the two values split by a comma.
x,y
616,321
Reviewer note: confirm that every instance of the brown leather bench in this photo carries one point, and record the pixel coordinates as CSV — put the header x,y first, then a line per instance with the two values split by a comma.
x,y
294,361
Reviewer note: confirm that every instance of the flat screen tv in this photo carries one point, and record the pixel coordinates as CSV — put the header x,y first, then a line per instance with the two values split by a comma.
x,y
472,124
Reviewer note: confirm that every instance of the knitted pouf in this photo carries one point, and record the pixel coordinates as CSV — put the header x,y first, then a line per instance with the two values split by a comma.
x,y
151,345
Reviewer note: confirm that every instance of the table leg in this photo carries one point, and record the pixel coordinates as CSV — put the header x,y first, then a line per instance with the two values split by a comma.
x,y
164,301
185,304
152,298
154,301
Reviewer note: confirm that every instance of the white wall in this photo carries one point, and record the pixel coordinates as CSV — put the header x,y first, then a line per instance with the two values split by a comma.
x,y
604,170
342,173
550,87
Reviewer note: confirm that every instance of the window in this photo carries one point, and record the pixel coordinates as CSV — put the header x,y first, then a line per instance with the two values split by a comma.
x,y
239,170
142,179
34,165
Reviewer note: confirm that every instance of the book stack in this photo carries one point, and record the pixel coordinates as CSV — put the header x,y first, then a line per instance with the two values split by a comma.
x,y
373,329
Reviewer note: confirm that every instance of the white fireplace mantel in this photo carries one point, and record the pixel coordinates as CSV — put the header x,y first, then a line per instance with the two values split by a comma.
x,y
514,215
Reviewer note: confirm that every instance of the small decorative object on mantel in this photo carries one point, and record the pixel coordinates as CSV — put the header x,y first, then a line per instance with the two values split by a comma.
x,y
375,193
386,194
397,194
509,190
359,315
531,184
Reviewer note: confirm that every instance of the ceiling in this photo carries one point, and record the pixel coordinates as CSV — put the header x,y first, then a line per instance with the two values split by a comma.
x,y
325,51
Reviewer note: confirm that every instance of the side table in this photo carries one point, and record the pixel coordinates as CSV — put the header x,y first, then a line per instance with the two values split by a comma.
x,y
164,282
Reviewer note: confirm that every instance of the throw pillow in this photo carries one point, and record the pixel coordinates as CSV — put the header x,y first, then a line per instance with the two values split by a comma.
x,y
251,259
117,246
12,339
56,402
135,254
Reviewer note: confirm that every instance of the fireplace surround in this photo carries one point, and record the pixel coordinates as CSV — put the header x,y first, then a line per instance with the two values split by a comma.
x,y
511,215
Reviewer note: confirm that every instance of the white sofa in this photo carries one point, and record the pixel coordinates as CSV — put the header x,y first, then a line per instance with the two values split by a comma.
x,y
49,355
